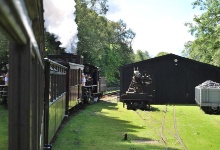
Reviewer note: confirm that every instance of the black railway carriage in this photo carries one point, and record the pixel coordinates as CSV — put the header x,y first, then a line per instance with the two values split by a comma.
x,y
174,78
73,80
55,98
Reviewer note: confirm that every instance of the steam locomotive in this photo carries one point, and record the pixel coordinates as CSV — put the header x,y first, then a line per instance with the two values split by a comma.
x,y
135,98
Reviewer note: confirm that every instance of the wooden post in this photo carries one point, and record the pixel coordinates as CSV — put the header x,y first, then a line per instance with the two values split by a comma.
x,y
19,97
46,101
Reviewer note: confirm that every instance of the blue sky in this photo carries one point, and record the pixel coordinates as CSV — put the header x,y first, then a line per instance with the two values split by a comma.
x,y
158,24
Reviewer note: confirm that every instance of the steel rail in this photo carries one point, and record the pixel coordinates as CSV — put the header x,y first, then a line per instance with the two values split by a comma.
x,y
176,134
152,127
162,128
176,130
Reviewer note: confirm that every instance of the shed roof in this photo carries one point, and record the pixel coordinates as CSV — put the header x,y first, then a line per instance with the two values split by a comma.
x,y
170,56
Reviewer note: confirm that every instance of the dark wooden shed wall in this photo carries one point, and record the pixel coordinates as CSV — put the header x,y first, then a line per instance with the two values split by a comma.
x,y
173,82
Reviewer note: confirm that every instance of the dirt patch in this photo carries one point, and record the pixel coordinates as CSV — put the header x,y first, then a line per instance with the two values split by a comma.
x,y
145,141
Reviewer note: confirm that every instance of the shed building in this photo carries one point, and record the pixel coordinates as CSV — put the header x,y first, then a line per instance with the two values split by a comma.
x,y
174,78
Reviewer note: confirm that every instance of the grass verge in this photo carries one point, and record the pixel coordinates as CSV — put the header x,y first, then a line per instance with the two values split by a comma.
x,y
3,128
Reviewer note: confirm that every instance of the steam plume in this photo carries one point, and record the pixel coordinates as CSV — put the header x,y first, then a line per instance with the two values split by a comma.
x,y
60,20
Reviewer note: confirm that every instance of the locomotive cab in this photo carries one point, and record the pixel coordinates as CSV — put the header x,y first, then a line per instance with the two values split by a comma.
x,y
91,89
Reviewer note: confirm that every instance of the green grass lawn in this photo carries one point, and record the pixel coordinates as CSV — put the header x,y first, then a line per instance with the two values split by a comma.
x,y
197,129
3,128
102,127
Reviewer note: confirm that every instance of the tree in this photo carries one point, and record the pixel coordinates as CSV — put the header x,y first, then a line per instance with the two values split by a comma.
x,y
122,41
147,54
4,48
161,54
102,42
52,44
91,29
206,29
141,55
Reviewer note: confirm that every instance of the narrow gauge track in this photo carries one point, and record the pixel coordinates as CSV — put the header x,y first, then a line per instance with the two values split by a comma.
x,y
217,121
112,93
111,97
176,130
158,123
154,128
163,127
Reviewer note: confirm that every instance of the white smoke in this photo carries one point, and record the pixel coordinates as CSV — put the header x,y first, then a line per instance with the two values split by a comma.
x,y
60,20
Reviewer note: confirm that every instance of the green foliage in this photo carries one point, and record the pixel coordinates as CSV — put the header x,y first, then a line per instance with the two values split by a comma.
x,y
52,44
102,42
91,31
141,55
4,48
206,29
161,54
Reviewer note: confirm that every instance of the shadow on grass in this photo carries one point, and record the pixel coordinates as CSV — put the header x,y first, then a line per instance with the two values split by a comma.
x,y
151,144
94,128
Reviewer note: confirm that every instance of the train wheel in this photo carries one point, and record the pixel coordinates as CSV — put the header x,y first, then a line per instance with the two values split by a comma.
x,y
211,109
214,109
147,106
143,106
206,109
129,106
136,105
